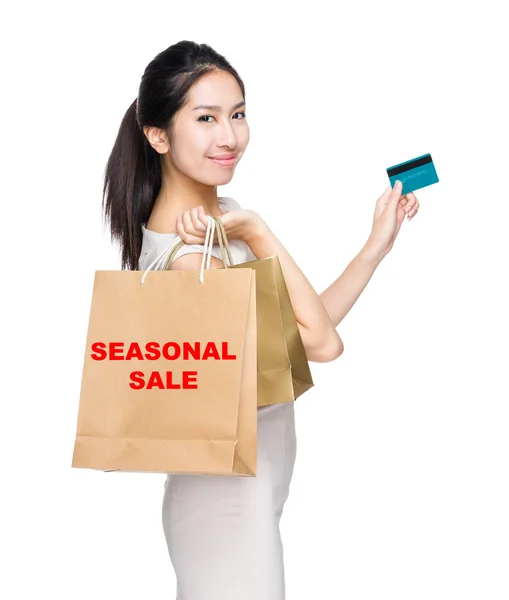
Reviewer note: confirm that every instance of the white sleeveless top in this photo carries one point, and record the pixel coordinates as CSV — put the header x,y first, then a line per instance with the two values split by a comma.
x,y
154,243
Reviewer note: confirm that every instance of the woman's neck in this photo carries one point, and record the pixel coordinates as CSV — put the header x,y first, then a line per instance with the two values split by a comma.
x,y
170,204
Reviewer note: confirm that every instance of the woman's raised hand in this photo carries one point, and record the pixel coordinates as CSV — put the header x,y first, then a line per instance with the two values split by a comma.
x,y
390,210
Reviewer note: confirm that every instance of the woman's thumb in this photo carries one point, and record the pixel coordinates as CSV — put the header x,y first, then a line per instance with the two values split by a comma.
x,y
382,202
396,193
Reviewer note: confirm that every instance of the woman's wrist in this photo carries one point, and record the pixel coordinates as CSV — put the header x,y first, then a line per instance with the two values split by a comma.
x,y
371,254
254,229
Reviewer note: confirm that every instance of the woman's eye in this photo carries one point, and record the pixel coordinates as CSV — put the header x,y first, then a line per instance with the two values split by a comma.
x,y
211,116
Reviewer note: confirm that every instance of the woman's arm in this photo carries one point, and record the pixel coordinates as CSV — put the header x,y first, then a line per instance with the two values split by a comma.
x,y
319,336
342,294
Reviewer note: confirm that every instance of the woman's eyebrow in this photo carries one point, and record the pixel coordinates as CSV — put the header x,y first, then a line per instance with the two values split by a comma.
x,y
218,108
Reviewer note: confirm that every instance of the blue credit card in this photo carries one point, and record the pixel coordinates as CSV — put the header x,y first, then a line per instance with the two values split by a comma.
x,y
414,174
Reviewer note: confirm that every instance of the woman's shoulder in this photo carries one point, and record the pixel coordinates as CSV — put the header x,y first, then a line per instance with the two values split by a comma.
x,y
228,203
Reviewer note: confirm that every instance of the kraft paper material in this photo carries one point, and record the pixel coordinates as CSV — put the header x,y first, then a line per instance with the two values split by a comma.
x,y
200,414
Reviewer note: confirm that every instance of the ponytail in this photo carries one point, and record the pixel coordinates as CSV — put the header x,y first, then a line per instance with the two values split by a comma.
x,y
131,183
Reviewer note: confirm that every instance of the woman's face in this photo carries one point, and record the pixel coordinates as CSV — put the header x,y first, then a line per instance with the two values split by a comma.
x,y
212,124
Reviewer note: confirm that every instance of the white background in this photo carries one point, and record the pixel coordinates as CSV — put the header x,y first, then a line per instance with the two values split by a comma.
x,y
400,489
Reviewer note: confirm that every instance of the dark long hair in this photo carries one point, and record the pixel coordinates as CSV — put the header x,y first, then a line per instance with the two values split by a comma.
x,y
132,176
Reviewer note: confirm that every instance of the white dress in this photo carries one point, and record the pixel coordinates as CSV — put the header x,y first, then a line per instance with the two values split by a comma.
x,y
223,532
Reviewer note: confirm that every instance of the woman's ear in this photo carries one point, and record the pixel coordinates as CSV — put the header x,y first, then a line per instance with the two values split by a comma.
x,y
157,139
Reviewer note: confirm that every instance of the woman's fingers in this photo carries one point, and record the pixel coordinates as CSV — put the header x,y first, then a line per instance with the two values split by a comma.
x,y
412,206
192,226
412,214
181,230
188,222
199,219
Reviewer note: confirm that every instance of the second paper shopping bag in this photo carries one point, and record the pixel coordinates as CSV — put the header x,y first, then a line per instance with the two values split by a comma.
x,y
169,379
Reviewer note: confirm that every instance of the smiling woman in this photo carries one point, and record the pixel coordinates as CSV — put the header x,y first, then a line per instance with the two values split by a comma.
x,y
179,140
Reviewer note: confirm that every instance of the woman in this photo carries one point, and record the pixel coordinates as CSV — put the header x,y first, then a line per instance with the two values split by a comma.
x,y
179,140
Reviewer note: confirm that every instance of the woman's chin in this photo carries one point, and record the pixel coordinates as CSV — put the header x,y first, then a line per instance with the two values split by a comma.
x,y
222,179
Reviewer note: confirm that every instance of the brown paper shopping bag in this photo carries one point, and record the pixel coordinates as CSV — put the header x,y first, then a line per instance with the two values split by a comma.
x,y
169,378
283,368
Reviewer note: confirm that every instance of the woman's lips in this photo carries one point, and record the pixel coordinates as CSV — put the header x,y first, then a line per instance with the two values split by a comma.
x,y
224,162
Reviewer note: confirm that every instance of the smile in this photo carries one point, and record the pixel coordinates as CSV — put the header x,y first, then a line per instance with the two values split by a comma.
x,y
224,162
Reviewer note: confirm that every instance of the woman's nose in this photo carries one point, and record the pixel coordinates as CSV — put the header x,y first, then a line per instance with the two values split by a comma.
x,y
227,136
